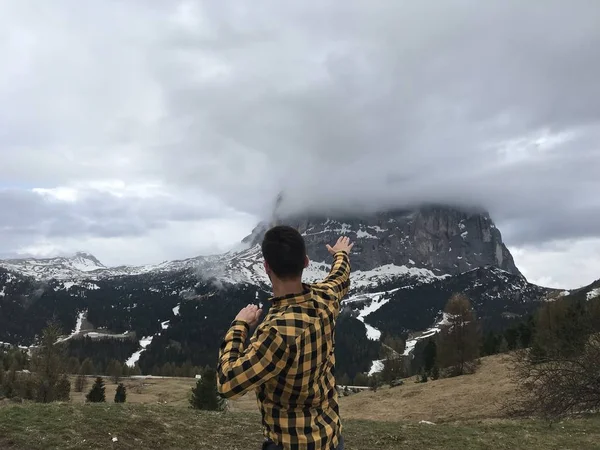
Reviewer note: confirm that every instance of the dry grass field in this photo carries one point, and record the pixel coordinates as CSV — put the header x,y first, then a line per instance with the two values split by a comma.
x,y
168,391
466,412
474,396
462,398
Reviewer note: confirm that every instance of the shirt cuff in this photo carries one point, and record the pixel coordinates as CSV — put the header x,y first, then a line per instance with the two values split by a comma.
x,y
240,323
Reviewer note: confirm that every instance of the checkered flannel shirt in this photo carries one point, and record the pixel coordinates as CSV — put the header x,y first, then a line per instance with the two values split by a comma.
x,y
290,363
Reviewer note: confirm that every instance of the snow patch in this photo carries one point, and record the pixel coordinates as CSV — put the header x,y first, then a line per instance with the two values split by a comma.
x,y
164,325
372,333
176,310
363,234
133,359
78,325
593,293
376,366
375,301
464,234
412,343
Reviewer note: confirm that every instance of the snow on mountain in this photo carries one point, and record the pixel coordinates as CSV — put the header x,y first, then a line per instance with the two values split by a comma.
x,y
79,265
244,266
593,294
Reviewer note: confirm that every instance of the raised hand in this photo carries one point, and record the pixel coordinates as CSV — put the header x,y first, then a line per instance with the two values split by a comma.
x,y
343,244
250,314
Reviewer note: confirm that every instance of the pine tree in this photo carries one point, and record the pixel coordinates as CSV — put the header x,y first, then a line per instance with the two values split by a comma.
x,y
97,393
48,363
115,370
63,389
73,365
87,367
375,382
121,394
187,370
392,369
167,370
429,355
361,379
459,340
80,383
135,370
503,346
344,380
205,395
435,372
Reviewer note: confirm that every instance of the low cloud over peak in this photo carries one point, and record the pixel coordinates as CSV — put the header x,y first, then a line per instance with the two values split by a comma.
x,y
209,109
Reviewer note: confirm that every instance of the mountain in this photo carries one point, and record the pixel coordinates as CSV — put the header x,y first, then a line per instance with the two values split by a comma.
x,y
441,239
80,264
405,266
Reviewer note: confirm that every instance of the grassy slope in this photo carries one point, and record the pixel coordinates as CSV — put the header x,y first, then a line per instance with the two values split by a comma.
x,y
478,396
75,426
466,410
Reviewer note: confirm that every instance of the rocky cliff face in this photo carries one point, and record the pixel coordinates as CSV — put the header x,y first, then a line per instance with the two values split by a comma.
x,y
443,239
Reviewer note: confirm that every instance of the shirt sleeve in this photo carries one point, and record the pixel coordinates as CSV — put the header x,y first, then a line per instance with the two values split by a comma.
x,y
338,280
241,370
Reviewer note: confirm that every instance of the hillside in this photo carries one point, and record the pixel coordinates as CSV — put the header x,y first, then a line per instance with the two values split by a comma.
x,y
477,396
74,427
405,266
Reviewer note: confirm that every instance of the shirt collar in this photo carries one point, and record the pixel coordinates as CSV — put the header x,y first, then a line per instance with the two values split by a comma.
x,y
293,299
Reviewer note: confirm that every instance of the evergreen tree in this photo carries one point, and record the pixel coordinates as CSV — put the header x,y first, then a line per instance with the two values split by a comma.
x,y
361,379
490,344
73,365
429,355
135,370
48,363
121,394
87,367
187,369
205,395
97,393
459,340
392,369
115,370
344,380
80,383
435,372
503,346
167,370
375,382
63,389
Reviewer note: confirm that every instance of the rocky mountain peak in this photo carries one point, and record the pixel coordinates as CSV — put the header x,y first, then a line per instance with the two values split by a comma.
x,y
444,239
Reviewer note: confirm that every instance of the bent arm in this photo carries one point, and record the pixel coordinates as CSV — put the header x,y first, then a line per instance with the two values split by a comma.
x,y
241,370
338,280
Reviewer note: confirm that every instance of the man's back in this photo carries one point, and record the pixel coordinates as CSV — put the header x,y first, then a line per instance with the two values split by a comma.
x,y
290,363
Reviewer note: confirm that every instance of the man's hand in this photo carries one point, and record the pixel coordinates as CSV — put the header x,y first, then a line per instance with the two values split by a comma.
x,y
250,314
343,244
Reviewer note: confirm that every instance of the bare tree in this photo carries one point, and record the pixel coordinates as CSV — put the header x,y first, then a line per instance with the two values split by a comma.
x,y
560,374
459,337
555,386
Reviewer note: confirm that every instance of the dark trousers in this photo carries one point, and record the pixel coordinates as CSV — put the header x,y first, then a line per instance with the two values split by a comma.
x,y
270,445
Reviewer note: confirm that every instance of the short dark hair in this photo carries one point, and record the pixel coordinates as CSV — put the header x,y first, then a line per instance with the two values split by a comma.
x,y
284,251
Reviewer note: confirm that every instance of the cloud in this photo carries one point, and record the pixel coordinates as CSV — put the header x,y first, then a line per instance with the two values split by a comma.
x,y
356,106
567,264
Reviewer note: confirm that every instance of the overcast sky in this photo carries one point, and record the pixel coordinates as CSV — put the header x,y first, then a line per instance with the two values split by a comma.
x,y
145,130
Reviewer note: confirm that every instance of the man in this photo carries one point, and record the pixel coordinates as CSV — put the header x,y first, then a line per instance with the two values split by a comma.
x,y
290,360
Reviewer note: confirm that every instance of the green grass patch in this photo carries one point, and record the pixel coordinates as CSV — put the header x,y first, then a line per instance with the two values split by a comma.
x,y
92,426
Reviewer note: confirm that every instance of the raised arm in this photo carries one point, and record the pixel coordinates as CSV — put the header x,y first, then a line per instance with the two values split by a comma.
x,y
240,370
338,280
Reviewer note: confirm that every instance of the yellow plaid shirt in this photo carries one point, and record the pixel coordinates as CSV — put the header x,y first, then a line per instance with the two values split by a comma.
x,y
290,363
